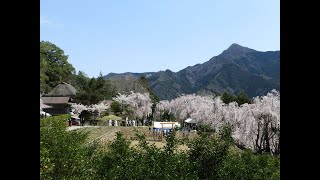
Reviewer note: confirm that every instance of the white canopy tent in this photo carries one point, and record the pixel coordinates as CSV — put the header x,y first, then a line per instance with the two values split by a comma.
x,y
190,121
165,125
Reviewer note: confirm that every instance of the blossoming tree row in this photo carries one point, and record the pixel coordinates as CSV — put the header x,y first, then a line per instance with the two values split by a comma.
x,y
255,126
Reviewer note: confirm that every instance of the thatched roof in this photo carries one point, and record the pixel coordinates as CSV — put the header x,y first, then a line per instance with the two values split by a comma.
x,y
63,89
55,100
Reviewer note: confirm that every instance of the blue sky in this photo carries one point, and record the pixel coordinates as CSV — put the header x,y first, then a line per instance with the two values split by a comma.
x,y
152,35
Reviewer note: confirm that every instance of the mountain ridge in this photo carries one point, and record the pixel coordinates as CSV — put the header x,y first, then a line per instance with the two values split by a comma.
x,y
235,69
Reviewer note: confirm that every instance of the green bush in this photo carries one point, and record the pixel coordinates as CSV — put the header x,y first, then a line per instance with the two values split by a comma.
x,y
205,130
102,122
247,165
226,133
62,153
207,153
55,121
116,107
65,155
144,161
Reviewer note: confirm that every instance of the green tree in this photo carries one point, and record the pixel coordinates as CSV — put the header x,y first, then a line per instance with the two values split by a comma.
x,y
66,155
207,154
228,98
82,81
166,116
226,133
143,80
93,90
154,98
54,64
43,77
243,98
246,165
100,82
115,106
62,153
86,116
115,163
103,87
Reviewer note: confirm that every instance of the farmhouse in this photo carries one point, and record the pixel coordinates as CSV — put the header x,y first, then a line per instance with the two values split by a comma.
x,y
60,99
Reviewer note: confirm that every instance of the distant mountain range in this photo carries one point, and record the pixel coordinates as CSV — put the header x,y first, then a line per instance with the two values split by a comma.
x,y
235,69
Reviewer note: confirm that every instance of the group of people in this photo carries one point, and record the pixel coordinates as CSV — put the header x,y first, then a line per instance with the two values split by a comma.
x,y
157,133
127,123
115,123
130,123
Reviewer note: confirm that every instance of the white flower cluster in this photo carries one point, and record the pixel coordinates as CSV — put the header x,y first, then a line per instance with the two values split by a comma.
x,y
256,125
100,107
138,102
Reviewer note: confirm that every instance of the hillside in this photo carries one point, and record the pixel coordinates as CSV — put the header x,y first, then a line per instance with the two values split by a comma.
x,y
125,84
235,69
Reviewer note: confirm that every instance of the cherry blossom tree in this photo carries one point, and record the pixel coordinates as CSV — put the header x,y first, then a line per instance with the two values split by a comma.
x,y
138,102
255,126
78,108
100,107
160,109
266,112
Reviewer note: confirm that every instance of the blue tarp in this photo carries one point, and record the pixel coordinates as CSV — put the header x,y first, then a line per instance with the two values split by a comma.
x,y
159,129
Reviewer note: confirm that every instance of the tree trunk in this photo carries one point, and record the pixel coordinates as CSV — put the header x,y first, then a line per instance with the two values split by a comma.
x,y
266,136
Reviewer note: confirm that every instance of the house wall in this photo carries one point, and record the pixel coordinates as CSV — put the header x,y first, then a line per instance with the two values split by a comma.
x,y
58,109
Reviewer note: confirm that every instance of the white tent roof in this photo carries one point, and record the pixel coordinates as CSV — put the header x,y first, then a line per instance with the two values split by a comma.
x,y
164,125
189,120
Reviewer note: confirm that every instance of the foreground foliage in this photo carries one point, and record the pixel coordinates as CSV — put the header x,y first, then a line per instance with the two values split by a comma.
x,y
64,155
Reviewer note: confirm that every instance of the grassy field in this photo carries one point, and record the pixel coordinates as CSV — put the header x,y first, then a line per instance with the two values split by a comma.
x,y
96,132
107,133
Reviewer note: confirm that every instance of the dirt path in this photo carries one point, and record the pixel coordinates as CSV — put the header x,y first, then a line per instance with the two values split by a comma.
x,y
79,127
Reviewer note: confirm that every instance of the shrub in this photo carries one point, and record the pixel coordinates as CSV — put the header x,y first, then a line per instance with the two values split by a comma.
x,y
65,155
62,153
247,165
207,154
205,130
